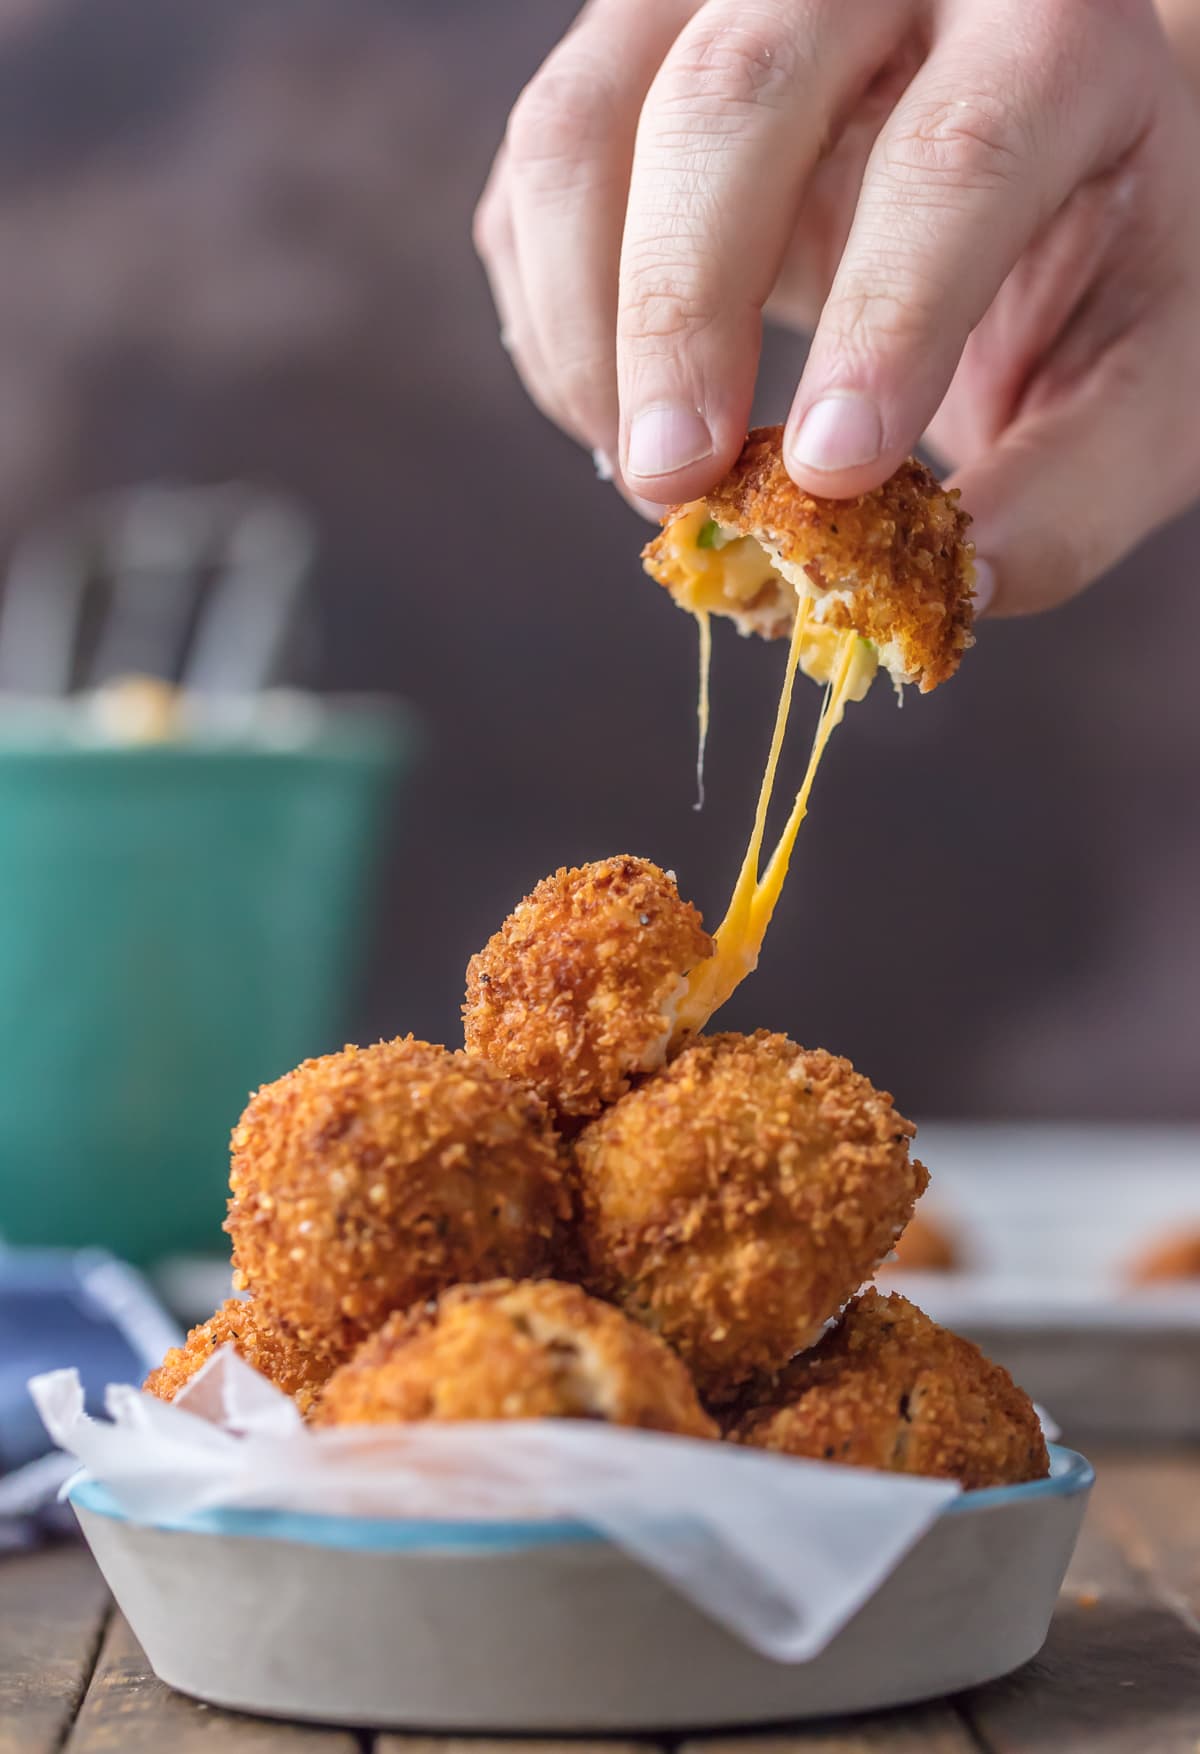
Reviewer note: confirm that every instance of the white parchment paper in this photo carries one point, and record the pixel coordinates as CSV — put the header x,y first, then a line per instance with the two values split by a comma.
x,y
781,1552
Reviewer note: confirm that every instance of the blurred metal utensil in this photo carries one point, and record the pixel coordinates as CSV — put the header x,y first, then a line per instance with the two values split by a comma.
x,y
242,639
154,546
40,612
199,585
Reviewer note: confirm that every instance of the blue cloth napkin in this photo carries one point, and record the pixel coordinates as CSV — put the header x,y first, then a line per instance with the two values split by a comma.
x,y
57,1309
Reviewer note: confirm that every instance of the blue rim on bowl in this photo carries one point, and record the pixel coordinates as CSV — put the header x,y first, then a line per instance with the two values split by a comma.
x,y
1070,1474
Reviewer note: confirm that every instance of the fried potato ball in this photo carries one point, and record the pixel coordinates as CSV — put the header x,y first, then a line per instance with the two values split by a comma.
x,y
893,566
1170,1258
738,1198
245,1325
888,1388
576,993
367,1180
924,1246
515,1351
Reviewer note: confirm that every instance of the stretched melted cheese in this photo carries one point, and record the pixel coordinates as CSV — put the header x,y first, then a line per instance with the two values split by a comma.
x,y
847,665
726,574
704,626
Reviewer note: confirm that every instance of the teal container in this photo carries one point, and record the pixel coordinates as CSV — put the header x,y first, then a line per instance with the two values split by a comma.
x,y
178,923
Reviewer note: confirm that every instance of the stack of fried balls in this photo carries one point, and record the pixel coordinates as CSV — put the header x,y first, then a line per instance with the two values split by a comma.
x,y
570,1219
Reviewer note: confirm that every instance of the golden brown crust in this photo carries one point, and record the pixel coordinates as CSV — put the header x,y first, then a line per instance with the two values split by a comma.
x,y
924,1246
367,1180
242,1323
901,551
737,1199
575,993
515,1351
1172,1257
887,1388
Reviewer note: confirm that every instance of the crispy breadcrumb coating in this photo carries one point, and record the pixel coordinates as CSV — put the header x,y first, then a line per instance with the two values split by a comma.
x,y
925,1246
893,565
1172,1257
887,1388
515,1351
577,991
245,1325
737,1199
367,1180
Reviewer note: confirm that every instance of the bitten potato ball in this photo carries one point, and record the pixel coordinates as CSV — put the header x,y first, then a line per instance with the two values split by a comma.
x,y
368,1180
737,1199
1170,1258
893,566
887,1388
515,1351
924,1246
245,1325
576,993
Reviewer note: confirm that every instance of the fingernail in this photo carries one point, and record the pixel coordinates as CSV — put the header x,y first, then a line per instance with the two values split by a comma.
x,y
841,431
985,585
666,438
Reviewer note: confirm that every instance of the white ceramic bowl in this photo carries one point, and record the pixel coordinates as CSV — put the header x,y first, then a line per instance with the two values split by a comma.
x,y
546,1626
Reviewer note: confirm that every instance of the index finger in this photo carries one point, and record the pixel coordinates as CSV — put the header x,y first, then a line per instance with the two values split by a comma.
x,y
731,128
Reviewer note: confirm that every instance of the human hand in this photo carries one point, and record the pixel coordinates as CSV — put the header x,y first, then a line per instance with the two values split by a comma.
x,y
987,210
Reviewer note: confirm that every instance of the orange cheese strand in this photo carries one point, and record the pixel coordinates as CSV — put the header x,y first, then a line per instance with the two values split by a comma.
x,y
704,626
739,937
768,891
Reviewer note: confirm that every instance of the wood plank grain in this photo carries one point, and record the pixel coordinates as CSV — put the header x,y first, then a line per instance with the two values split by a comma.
x,y
392,1743
924,1729
1150,1505
53,1605
1119,1674
128,1710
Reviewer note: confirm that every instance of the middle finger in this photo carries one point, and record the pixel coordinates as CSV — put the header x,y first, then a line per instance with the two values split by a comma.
x,y
732,127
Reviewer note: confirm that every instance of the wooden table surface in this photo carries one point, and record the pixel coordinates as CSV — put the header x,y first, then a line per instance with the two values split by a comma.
x,y
1120,1672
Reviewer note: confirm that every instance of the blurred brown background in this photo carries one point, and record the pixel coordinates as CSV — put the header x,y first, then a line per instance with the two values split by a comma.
x,y
234,241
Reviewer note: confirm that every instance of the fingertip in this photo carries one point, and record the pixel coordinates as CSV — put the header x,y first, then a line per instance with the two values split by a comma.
x,y
841,484
606,471
664,442
834,446
841,431
644,508
672,454
984,591
1028,554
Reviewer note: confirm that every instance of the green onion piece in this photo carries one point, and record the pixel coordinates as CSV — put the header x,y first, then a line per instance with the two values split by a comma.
x,y
710,535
